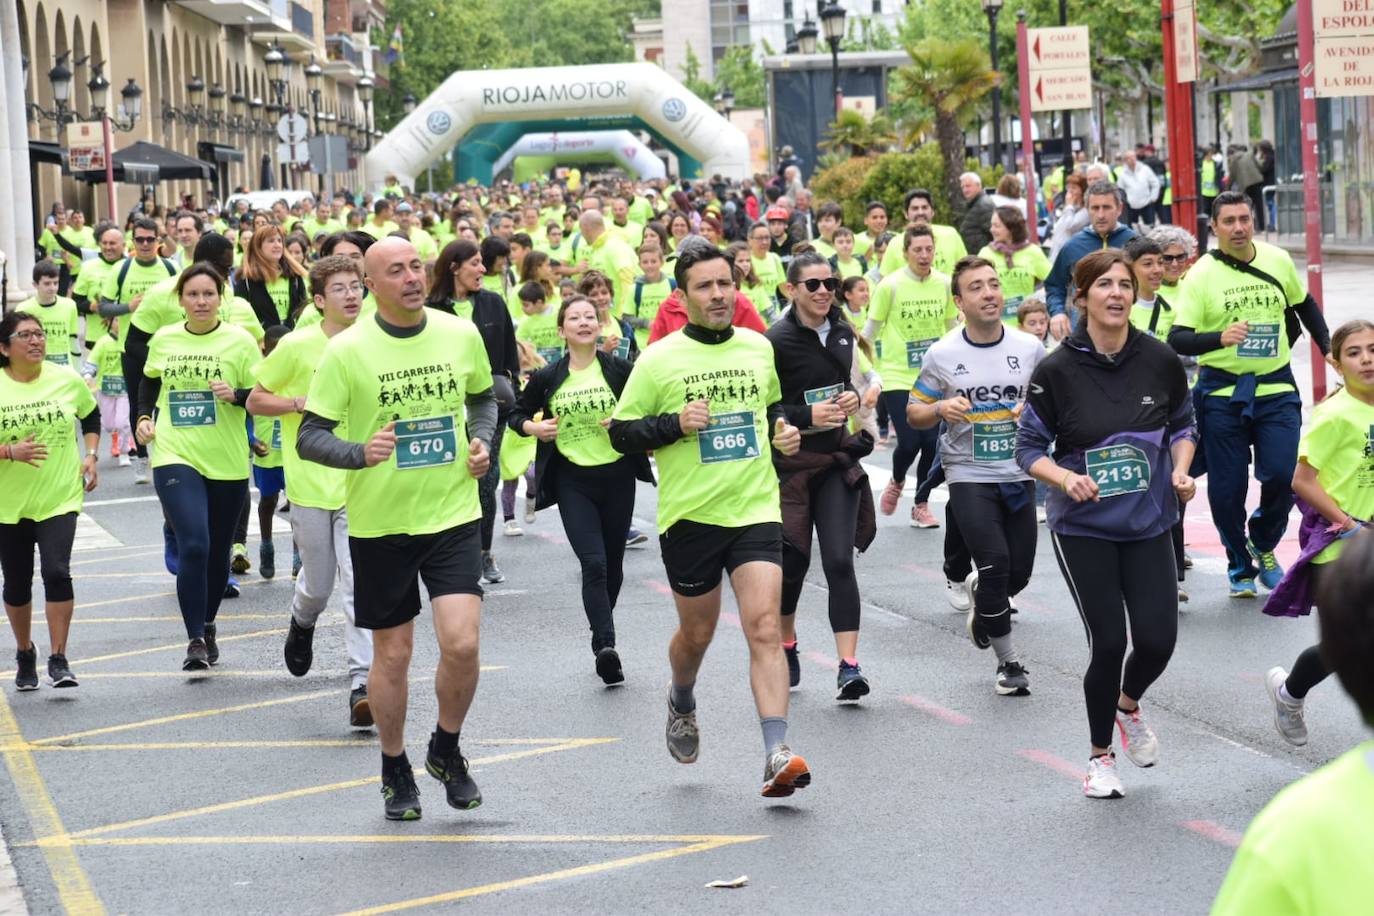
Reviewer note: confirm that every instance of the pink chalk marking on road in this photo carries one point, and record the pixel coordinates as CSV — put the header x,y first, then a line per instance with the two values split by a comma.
x,y
821,660
929,575
552,538
948,716
658,587
1058,764
731,618
1214,832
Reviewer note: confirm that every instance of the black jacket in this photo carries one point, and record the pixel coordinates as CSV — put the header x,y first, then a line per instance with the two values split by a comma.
x,y
255,291
975,226
803,364
535,398
493,322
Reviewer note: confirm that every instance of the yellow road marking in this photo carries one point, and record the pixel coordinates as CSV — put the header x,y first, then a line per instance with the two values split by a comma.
x,y
364,739
124,556
175,618
181,646
477,839
110,601
152,573
74,890
315,790
230,672
546,877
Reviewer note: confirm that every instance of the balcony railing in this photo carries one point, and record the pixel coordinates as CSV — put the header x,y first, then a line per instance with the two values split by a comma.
x,y
341,47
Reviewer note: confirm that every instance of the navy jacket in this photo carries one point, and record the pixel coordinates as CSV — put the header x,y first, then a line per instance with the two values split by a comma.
x,y
1084,241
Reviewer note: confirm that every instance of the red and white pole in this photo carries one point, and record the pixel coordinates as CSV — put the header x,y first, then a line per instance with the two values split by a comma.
x,y
1311,177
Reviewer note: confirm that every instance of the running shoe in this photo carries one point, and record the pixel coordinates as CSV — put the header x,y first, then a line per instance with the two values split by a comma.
x,y
300,648
976,634
1101,780
59,672
1243,588
267,559
452,771
1187,560
784,773
793,665
26,668
491,573
958,595
850,683
1040,515
238,561
359,708
401,796
1271,573
114,445
635,538
1182,596
123,461
1012,680
529,509
608,665
1011,604
1288,717
231,588
295,562
922,517
140,470
211,645
887,503
684,741
1137,738
512,529
196,657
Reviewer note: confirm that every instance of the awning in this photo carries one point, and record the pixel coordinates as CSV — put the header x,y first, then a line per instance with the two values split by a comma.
x,y
47,152
147,163
1260,81
218,152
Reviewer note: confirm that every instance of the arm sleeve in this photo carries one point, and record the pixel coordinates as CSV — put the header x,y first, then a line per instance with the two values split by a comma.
x,y
148,390
317,442
90,423
66,245
1188,342
241,395
1035,433
481,411
644,434
109,309
1312,318
528,402
136,346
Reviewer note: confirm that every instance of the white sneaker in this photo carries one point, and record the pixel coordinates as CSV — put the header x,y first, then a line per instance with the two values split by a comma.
x,y
123,460
140,470
1288,718
513,529
1040,515
958,595
1137,740
529,509
1101,780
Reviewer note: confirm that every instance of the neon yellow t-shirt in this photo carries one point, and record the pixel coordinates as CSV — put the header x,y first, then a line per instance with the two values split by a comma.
x,y
107,356
632,232
1339,445
915,313
366,379
949,248
823,248
1307,852
724,474
1213,296
137,280
46,409
62,325
161,308
580,404
88,284
541,332
1141,313
763,301
650,296
863,243
846,269
269,430
617,260
769,270
379,232
1029,267
287,372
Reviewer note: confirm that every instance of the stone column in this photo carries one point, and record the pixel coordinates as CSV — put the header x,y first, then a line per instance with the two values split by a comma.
x,y
16,220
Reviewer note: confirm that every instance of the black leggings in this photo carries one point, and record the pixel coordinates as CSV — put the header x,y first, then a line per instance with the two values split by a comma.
x,y
1309,670
54,537
202,514
1001,541
910,442
133,377
595,505
1112,581
835,511
489,484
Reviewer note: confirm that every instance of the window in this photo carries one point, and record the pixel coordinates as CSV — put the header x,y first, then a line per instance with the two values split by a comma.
x,y
787,9
877,7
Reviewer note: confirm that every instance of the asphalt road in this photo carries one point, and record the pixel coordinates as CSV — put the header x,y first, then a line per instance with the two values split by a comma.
x,y
149,791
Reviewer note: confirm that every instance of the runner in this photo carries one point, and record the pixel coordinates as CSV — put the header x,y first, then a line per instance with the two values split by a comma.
x,y
974,382
1109,425
105,376
1021,264
43,480
271,280
404,386
1238,305
823,485
919,206
57,314
94,269
567,406
1335,483
911,310
319,519
265,444
195,381
705,401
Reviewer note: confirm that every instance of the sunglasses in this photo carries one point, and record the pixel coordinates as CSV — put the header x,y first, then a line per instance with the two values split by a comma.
x,y
144,239
814,284
1173,258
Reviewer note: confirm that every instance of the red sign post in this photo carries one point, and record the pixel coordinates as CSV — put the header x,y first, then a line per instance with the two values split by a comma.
x,y
1178,110
1311,183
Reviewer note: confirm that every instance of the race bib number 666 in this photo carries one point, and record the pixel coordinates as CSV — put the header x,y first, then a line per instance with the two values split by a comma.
x,y
728,437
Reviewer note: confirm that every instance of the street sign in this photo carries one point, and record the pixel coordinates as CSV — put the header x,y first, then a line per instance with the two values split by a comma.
x,y
1060,68
1343,47
298,153
85,146
1185,41
293,127
865,105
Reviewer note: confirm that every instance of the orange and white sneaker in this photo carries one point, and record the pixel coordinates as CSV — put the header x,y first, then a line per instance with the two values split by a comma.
x,y
784,773
922,517
887,503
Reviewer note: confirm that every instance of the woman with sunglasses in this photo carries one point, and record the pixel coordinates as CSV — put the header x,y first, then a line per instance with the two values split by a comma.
x,y
42,479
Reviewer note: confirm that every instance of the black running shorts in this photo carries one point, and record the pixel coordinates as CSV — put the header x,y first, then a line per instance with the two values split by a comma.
x,y
694,555
387,572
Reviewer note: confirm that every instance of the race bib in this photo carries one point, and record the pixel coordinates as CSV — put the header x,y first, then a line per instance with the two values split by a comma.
x,y
994,440
1118,470
425,443
112,384
550,354
57,359
191,408
276,435
821,395
728,437
916,351
1262,342
622,349
1011,306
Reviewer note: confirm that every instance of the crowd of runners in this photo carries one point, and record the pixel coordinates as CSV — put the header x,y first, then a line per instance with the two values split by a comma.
x,y
393,368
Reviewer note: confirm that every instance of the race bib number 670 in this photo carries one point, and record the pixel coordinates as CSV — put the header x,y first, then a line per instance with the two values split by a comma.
x,y
425,443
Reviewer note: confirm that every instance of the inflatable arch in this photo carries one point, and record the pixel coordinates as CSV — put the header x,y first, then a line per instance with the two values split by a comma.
x,y
620,145
501,106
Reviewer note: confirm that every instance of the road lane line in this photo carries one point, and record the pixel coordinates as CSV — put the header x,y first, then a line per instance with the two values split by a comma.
x,y
213,673
365,739
819,659
385,838
659,587
948,716
1058,764
124,556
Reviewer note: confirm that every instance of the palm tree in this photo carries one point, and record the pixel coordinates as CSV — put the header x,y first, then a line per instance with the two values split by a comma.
x,y
943,84
851,132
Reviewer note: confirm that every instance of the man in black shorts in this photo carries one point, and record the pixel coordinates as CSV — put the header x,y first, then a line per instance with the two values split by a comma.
x,y
403,400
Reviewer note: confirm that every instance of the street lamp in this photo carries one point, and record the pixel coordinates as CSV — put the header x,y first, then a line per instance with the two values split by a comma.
x,y
314,83
832,22
99,88
992,8
215,112
365,96
806,36
276,62
130,106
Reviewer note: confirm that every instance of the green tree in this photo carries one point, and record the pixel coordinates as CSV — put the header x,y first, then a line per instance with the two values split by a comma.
x,y
740,70
856,135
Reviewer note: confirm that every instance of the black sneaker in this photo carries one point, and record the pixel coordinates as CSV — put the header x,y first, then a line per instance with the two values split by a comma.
x,y
793,665
452,771
401,796
491,573
976,634
59,672
267,560
231,588
197,659
608,665
26,668
1012,680
211,645
850,683
299,650
359,709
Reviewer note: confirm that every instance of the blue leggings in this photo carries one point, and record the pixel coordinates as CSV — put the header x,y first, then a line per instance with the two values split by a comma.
x,y
911,443
202,514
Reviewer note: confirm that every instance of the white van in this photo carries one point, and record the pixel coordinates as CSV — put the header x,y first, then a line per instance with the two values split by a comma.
x,y
263,200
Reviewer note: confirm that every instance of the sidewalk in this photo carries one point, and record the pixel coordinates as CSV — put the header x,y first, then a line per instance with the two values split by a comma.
x,y
11,894
1345,295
